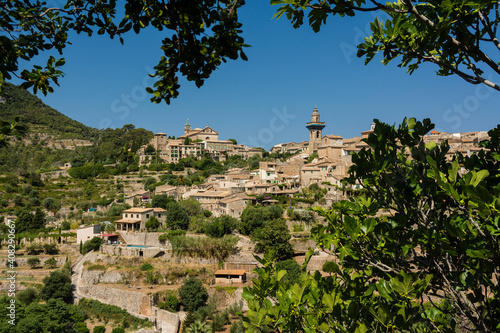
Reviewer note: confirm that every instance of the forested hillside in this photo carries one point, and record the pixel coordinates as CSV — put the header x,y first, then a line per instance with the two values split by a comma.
x,y
32,110
52,137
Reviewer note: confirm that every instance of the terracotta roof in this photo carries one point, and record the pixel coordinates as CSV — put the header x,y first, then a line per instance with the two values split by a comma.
x,y
230,272
137,210
352,139
219,141
211,194
286,192
128,221
332,136
159,210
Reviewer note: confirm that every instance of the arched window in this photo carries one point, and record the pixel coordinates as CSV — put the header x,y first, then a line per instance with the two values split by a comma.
x,y
317,135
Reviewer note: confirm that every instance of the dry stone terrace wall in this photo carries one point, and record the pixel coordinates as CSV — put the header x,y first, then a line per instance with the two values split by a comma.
x,y
134,302
142,238
118,250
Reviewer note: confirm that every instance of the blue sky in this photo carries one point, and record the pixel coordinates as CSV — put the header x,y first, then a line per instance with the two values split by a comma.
x,y
269,98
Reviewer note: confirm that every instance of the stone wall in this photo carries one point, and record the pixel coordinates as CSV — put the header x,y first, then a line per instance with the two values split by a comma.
x,y
118,250
54,174
143,238
226,299
318,260
134,302
167,321
23,261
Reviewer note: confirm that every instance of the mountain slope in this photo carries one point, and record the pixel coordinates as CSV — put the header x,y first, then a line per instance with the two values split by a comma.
x,y
36,114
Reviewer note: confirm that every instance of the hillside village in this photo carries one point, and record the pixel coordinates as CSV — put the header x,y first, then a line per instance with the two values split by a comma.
x,y
323,160
135,238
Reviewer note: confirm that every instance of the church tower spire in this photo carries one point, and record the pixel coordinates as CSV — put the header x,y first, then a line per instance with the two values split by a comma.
x,y
315,128
187,127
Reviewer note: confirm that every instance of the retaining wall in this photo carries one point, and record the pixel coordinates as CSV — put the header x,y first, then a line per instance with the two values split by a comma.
x,y
134,302
143,238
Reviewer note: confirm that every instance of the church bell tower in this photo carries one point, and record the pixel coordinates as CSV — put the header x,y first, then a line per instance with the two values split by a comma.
x,y
315,128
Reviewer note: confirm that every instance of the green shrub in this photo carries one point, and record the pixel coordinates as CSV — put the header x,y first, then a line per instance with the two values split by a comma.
x,y
220,226
292,269
96,267
171,303
237,327
99,329
34,262
204,247
153,277
50,263
81,328
110,313
297,227
27,296
34,249
50,249
219,321
193,294
92,245
146,267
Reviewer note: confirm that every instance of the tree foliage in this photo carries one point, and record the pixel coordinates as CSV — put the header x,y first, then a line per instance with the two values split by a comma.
x,y
255,217
193,294
33,262
58,286
274,236
417,250
152,223
459,37
177,218
204,34
220,226
92,245
161,201
191,206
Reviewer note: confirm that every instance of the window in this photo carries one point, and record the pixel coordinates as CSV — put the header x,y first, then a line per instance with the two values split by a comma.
x,y
126,215
147,216
137,215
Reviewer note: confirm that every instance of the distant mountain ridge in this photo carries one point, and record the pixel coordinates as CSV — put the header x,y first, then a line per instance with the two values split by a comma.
x,y
32,111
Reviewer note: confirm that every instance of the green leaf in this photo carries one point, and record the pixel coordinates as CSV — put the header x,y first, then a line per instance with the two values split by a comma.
x,y
361,329
328,302
477,177
280,275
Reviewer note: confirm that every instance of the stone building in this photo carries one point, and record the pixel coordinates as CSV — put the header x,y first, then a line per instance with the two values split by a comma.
x,y
134,219
87,233
315,128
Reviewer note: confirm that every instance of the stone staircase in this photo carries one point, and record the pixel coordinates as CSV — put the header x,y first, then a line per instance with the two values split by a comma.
x,y
120,237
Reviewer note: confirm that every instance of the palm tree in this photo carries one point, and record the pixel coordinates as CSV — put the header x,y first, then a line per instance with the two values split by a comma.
x,y
199,327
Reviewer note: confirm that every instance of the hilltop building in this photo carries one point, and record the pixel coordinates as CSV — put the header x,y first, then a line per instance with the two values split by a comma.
x,y
205,134
194,143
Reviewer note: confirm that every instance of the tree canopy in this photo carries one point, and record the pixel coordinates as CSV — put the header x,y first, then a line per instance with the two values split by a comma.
x,y
201,35
459,37
193,294
417,250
